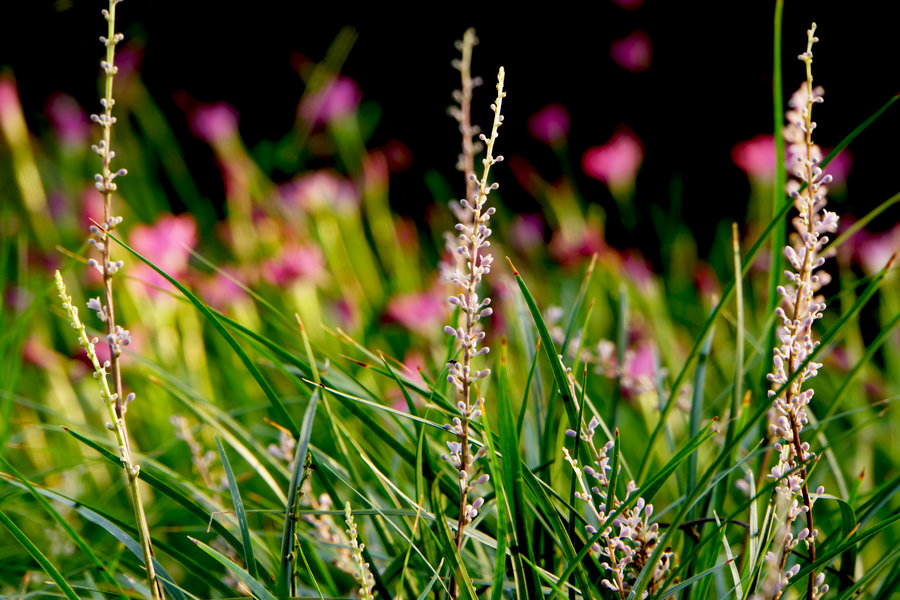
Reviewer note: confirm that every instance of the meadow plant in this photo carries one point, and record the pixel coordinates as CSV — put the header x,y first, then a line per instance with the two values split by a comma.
x,y
474,218
627,542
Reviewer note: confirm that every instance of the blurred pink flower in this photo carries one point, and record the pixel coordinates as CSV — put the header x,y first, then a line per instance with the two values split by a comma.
x,y
639,373
294,263
526,233
550,125
165,244
616,162
569,249
634,52
637,269
214,123
337,99
219,290
756,157
69,121
411,368
319,190
839,168
874,250
421,312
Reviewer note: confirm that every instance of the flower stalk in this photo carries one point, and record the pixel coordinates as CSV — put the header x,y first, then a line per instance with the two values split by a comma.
x,y
109,373
473,263
801,307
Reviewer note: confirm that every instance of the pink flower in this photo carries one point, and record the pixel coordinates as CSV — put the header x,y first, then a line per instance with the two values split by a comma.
x,y
337,99
71,124
421,312
633,52
165,244
550,125
294,263
756,157
214,123
615,163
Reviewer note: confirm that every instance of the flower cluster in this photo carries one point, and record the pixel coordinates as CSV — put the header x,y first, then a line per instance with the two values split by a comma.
x,y
626,544
801,307
363,575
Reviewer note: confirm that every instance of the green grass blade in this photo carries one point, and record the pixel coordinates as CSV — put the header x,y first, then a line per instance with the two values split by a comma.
x,y
556,365
39,557
256,588
249,559
73,535
300,456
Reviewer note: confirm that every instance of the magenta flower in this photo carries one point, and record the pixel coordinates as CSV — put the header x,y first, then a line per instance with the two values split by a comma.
x,y
294,263
615,163
214,123
165,244
633,53
550,125
421,312
336,100
69,121
756,157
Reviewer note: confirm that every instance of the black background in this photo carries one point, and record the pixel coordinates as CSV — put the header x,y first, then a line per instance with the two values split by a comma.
x,y
709,85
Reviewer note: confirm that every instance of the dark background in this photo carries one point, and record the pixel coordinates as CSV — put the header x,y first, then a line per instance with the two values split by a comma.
x,y
709,85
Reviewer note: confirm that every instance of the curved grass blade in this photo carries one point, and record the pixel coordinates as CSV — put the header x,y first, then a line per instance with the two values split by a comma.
x,y
249,559
39,557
